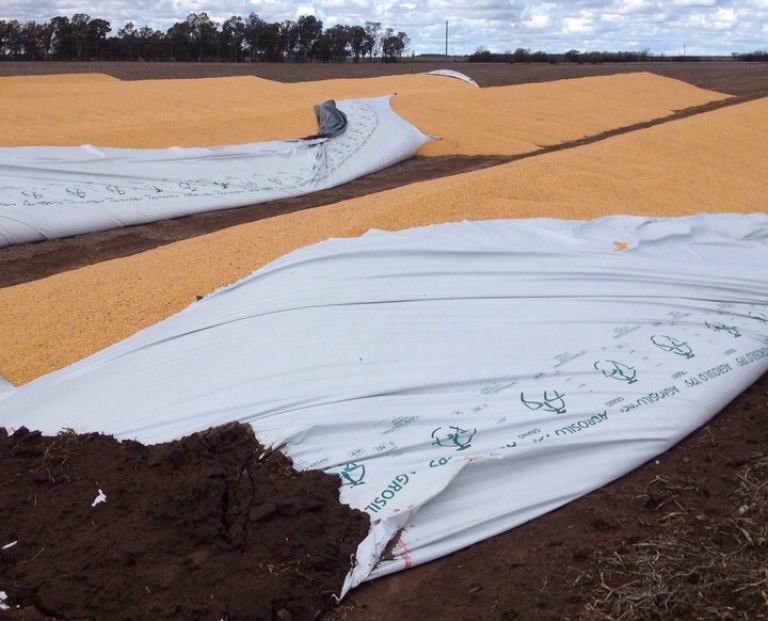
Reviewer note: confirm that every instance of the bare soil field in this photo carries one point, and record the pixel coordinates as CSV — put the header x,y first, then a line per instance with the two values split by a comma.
x,y
683,537
735,78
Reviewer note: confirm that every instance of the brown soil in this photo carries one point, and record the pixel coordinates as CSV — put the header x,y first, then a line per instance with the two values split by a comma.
x,y
206,527
726,77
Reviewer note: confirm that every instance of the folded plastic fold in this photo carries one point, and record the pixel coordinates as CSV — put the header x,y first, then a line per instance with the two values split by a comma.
x,y
51,192
462,378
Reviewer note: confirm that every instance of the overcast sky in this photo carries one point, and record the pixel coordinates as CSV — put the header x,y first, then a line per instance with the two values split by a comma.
x,y
668,27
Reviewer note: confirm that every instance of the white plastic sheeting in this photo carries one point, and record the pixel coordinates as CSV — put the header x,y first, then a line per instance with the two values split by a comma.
x,y
450,73
6,388
461,378
51,192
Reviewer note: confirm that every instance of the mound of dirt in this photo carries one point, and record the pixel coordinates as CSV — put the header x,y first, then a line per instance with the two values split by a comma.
x,y
210,527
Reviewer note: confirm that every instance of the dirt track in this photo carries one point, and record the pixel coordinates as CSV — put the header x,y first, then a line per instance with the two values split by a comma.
x,y
551,568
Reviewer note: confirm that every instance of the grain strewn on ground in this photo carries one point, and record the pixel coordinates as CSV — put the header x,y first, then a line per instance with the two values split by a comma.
x,y
710,162
98,109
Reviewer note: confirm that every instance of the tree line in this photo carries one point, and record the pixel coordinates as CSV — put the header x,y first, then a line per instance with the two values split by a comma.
x,y
521,55
198,38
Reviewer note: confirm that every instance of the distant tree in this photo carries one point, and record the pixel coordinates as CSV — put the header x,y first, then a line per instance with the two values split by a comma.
x,y
233,39
322,48
63,39
198,38
254,35
372,33
308,31
262,39
178,39
571,56
541,57
31,44
357,41
128,38
96,37
756,56
275,43
45,34
482,55
205,36
405,41
337,42
11,43
289,39
393,45
521,55
78,28
152,44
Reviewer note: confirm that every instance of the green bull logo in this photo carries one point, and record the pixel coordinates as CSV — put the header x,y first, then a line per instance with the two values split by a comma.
x,y
455,437
553,402
672,345
616,370
352,474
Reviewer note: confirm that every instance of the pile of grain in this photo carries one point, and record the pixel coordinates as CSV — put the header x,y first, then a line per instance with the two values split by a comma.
x,y
98,109
710,162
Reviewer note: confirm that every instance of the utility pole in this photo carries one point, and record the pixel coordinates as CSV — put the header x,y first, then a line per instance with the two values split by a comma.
x,y
446,38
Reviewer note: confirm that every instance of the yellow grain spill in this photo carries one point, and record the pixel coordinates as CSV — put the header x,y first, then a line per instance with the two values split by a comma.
x,y
714,161
97,109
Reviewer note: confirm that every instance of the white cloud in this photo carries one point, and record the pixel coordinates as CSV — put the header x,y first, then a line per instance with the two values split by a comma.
x,y
635,7
724,18
576,25
693,3
538,21
538,17
304,9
